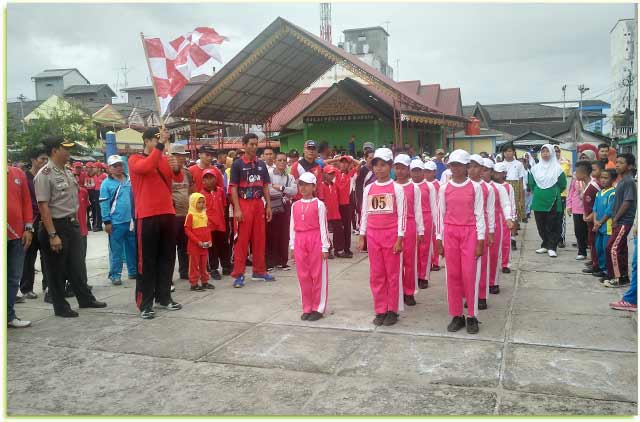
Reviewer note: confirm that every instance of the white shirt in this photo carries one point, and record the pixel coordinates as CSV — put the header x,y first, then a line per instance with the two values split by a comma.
x,y
515,169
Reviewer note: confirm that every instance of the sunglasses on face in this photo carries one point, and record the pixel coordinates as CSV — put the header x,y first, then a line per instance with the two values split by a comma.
x,y
116,165
311,148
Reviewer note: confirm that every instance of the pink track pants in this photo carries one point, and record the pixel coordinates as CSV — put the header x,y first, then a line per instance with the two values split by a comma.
x,y
483,289
426,250
409,259
384,270
313,271
495,253
463,268
506,244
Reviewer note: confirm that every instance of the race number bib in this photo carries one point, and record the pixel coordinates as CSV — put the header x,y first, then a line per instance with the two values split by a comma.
x,y
380,204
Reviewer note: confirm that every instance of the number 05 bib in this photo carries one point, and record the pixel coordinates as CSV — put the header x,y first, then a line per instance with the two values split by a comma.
x,y
380,204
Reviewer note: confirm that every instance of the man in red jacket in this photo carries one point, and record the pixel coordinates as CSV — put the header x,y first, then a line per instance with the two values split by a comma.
x,y
151,179
308,163
206,153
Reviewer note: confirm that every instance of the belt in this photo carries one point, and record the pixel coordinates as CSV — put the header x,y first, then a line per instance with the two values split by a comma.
x,y
68,219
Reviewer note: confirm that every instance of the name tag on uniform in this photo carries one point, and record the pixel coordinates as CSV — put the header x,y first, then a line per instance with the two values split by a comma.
x,y
380,204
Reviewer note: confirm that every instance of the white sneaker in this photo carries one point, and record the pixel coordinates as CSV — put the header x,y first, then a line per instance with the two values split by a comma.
x,y
541,250
552,254
580,258
18,323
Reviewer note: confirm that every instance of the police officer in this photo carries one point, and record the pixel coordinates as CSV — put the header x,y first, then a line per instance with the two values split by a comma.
x,y
57,195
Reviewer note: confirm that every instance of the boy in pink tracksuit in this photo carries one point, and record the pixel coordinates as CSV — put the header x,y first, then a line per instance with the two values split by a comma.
x,y
414,233
502,207
429,216
309,244
500,176
460,237
430,171
475,169
383,224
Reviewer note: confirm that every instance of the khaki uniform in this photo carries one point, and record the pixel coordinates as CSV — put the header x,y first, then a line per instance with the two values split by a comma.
x,y
59,188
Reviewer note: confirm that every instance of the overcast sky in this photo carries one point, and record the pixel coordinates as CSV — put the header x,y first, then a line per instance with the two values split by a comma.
x,y
496,53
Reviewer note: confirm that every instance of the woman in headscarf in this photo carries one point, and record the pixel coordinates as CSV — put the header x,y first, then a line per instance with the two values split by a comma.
x,y
587,155
547,181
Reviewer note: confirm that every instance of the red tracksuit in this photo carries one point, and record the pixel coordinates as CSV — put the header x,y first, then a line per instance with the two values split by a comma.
x,y
429,215
415,227
460,226
489,203
384,218
502,208
333,215
309,238
196,172
297,170
198,256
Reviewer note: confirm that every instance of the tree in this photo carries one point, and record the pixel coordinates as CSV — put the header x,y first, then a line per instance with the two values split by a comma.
x,y
64,118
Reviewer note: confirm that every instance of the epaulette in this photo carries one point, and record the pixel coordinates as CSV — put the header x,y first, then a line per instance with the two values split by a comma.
x,y
46,170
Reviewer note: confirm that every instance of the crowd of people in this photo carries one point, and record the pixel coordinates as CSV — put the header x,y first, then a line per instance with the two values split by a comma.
x,y
213,217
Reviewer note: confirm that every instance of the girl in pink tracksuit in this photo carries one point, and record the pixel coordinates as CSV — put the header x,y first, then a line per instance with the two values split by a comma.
x,y
500,175
383,224
475,170
502,208
414,234
309,243
430,171
460,237
429,215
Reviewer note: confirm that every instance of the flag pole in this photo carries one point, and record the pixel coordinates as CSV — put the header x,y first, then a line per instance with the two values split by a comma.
x,y
153,83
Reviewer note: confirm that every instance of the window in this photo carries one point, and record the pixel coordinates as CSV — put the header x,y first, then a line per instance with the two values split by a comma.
x,y
362,38
49,84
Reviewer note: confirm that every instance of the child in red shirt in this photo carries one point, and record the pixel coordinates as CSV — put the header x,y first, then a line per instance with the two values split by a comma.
x,y
348,168
333,211
215,204
199,239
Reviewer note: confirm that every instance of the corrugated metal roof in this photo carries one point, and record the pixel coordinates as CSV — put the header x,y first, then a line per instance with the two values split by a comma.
x,y
57,73
87,89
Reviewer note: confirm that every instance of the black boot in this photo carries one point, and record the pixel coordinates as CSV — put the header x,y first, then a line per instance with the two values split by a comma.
x,y
456,324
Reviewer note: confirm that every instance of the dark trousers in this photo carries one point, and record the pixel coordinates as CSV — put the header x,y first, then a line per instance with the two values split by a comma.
x,y
338,235
278,238
581,231
181,249
15,261
219,254
591,238
94,196
617,251
354,211
28,270
549,225
563,222
156,253
68,264
346,212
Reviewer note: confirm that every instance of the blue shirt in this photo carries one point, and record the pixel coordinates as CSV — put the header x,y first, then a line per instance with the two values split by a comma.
x,y
440,167
602,206
116,210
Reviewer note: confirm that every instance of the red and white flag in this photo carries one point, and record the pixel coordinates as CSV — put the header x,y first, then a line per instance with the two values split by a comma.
x,y
174,63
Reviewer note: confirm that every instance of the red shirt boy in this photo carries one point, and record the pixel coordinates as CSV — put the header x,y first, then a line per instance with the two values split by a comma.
x,y
215,200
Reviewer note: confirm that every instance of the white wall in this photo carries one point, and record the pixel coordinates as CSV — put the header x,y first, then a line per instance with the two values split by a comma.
x,y
623,38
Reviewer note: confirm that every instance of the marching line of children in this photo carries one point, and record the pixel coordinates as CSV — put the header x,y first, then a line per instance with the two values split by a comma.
x,y
403,221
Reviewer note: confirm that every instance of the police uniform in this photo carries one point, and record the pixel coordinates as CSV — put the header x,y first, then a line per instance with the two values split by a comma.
x,y
59,188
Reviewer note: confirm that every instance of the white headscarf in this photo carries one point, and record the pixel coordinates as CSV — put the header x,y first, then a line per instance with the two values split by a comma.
x,y
546,173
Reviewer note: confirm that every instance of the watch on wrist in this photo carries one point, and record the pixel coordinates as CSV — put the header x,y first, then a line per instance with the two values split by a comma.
x,y
28,228
52,235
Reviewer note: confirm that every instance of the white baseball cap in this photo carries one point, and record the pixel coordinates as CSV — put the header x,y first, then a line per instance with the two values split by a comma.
x,y
308,177
477,158
113,159
384,154
430,165
402,159
416,164
500,167
488,163
459,156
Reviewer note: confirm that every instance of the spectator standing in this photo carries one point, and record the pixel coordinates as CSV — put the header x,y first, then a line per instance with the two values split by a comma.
x,y
197,230
269,158
180,192
440,165
116,207
151,178
205,154
629,301
352,146
282,189
566,168
215,201
19,234
38,160
309,162
603,156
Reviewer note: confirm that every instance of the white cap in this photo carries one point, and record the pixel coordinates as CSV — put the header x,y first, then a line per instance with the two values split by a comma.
x,y
402,159
430,165
500,167
477,158
308,177
416,164
383,153
459,156
488,163
114,159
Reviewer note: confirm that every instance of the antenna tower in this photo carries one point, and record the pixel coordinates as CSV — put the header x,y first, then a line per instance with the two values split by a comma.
x,y
325,22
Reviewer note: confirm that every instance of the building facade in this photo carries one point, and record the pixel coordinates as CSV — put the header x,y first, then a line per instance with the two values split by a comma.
x,y
54,81
623,40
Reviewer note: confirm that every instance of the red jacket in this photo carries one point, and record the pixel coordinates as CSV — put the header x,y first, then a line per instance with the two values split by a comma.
x,y
216,203
317,171
151,178
99,179
196,172
343,183
83,204
201,234
19,211
331,201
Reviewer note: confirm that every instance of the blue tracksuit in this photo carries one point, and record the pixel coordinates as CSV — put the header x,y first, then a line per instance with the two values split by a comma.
x,y
602,207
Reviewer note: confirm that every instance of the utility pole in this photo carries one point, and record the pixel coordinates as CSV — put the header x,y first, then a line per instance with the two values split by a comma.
x,y
582,90
564,98
628,82
21,98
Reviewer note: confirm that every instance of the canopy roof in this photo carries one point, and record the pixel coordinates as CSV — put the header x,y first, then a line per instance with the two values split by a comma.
x,y
273,69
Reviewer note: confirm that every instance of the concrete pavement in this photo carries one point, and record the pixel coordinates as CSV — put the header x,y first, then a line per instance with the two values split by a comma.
x,y
548,345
